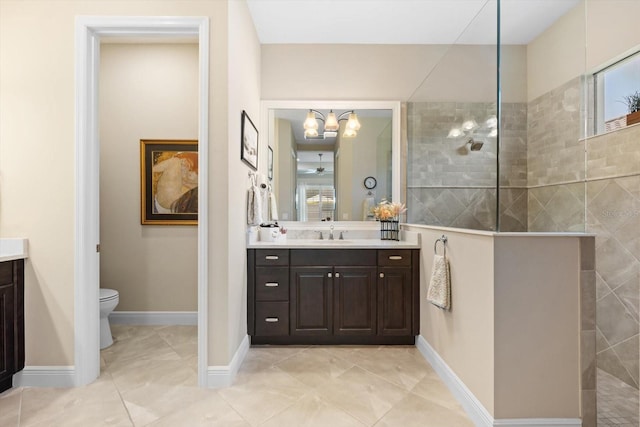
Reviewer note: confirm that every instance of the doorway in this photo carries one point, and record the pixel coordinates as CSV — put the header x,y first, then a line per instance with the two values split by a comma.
x,y
89,31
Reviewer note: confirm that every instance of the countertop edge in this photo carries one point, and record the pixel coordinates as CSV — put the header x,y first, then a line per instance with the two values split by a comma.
x,y
294,245
13,248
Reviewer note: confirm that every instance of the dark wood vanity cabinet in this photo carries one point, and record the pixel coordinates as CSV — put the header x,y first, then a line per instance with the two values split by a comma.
x,y
333,296
11,321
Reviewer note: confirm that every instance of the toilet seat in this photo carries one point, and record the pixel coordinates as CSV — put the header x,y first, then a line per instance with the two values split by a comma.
x,y
108,294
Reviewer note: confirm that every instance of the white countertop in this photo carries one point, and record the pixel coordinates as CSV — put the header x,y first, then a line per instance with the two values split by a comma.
x,y
13,248
409,240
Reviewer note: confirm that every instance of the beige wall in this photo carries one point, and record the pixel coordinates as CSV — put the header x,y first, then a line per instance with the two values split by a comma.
x,y
37,140
537,327
557,55
146,92
391,72
284,169
244,94
464,336
513,332
360,163
590,36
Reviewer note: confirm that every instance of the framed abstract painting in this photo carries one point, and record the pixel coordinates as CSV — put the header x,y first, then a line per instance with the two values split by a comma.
x,y
169,182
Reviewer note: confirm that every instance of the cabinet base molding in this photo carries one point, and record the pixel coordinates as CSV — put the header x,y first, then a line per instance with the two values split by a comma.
x,y
333,340
45,376
472,406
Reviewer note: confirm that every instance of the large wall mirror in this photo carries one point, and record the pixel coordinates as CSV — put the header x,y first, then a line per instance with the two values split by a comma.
x,y
333,176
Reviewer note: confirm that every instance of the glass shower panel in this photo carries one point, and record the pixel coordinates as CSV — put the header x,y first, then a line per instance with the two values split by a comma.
x,y
542,148
451,132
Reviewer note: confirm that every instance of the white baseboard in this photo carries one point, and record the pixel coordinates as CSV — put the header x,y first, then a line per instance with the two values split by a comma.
x,y
538,422
45,376
223,375
154,318
472,406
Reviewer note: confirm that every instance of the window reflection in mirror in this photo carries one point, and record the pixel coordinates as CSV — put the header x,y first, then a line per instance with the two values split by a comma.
x,y
322,179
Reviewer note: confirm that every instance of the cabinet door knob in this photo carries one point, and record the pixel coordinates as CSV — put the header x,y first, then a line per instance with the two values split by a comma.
x,y
337,274
381,275
271,257
271,284
395,257
329,275
271,319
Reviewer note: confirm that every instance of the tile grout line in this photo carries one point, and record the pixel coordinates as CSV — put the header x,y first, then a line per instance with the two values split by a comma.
x,y
121,399
20,406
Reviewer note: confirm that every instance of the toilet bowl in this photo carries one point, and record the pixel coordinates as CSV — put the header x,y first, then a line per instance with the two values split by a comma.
x,y
109,299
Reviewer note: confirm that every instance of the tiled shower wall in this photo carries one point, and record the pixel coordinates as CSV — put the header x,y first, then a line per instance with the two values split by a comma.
x,y
569,177
551,178
450,185
613,214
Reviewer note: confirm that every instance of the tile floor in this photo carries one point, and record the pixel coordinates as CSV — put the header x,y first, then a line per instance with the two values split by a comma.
x,y
149,379
618,403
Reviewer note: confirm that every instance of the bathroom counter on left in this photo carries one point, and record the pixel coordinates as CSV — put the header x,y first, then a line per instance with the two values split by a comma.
x,y
13,248
12,255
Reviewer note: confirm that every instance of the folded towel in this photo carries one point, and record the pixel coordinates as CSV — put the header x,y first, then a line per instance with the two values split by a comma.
x,y
439,293
273,207
254,206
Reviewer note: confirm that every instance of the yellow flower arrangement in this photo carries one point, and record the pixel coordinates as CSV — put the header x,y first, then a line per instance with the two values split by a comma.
x,y
388,211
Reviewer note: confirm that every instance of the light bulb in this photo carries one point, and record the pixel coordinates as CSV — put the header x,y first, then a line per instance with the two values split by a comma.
x,y
311,122
469,125
454,133
310,133
353,122
349,133
332,122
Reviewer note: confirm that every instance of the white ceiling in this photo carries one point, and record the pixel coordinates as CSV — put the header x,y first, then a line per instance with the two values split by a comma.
x,y
403,21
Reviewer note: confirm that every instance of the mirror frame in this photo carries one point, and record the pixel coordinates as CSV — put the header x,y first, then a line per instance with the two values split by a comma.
x,y
267,116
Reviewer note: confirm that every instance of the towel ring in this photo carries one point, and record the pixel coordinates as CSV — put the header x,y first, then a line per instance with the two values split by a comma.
x,y
443,239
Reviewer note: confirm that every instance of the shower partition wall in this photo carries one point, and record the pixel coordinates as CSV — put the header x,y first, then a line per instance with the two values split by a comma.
x,y
552,175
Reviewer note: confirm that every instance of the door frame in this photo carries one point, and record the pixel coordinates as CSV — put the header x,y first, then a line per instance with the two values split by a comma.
x,y
88,32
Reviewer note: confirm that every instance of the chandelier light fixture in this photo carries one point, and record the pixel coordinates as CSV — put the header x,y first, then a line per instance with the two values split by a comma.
x,y
331,124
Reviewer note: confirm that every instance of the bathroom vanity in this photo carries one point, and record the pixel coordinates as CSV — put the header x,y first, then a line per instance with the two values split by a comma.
x,y
12,254
309,292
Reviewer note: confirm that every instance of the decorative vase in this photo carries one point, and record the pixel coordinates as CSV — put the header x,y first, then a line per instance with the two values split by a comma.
x,y
389,229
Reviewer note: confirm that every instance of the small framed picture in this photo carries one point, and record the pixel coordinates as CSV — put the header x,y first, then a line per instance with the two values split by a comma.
x,y
270,170
169,182
249,141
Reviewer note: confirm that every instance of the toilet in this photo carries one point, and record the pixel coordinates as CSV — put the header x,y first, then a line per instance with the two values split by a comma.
x,y
109,299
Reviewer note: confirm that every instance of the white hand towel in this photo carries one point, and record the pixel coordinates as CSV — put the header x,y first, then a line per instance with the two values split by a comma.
x,y
254,206
264,204
273,207
439,293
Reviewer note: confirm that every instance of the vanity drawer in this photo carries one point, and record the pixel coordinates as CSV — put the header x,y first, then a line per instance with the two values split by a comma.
x,y
272,257
394,258
272,318
272,283
329,257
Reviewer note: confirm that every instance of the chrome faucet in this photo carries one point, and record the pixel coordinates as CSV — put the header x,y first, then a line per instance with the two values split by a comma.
x,y
331,232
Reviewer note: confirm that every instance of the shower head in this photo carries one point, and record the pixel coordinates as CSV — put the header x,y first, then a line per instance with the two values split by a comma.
x,y
475,145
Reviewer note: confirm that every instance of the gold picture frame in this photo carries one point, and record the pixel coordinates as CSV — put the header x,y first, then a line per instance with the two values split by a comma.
x,y
168,182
